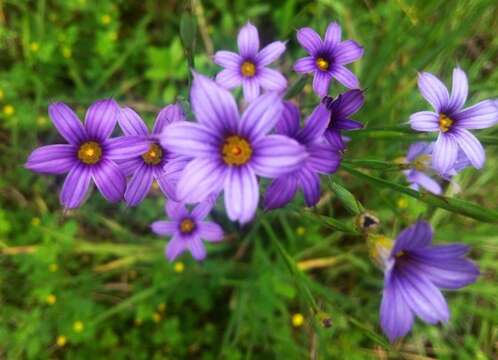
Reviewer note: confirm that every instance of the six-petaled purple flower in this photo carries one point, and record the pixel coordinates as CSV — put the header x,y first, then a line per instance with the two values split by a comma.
x,y
148,167
452,121
328,58
249,67
188,229
90,153
228,153
414,272
323,158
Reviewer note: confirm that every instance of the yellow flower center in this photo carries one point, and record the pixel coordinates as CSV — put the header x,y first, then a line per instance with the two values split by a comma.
x,y
236,150
322,64
187,226
154,155
90,153
444,123
248,69
421,163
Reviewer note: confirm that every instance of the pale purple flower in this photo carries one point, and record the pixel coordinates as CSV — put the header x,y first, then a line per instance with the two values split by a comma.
x,y
148,167
249,67
452,121
229,152
328,58
339,113
188,229
90,154
323,157
414,272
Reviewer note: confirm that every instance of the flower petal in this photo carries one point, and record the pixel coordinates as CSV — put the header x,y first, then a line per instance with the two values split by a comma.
x,y
310,40
176,210
203,209
75,186
480,116
228,60
471,146
417,236
248,40
424,121
190,139
289,120
67,123
270,53
175,247
323,158
229,78
349,103
212,105
347,124
241,194
332,35
425,181
310,183
109,180
261,116
101,118
347,51
345,77
459,90
197,248
201,178
271,80
139,185
305,65
167,183
441,253
251,88
335,139
168,115
277,155
126,147
321,82
444,153
315,125
52,159
417,149
434,91
280,192
164,228
129,166
210,231
131,123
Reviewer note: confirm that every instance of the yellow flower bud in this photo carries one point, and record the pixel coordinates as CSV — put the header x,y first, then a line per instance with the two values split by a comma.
x,y
297,320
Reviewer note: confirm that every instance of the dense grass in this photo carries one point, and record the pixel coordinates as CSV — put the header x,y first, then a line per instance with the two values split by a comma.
x,y
107,271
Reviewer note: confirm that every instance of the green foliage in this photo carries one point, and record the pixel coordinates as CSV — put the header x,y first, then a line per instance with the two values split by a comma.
x,y
94,283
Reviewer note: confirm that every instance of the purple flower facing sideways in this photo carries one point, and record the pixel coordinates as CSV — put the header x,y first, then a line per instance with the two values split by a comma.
x,y
340,111
249,66
327,58
414,272
90,154
227,152
188,229
452,121
323,158
148,167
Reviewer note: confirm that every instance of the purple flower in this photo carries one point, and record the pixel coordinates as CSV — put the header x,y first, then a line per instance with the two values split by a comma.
x,y
323,158
227,152
249,67
327,58
414,272
148,167
452,121
90,154
340,110
188,229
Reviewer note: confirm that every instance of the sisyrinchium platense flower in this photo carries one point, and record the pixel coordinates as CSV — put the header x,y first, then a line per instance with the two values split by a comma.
x,y
188,229
452,121
323,158
148,167
229,152
414,272
249,67
90,154
327,58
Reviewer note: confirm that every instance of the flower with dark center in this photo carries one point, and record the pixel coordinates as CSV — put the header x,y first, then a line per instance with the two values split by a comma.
x,y
327,58
452,121
90,154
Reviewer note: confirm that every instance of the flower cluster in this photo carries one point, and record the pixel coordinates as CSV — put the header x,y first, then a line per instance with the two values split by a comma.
x,y
229,152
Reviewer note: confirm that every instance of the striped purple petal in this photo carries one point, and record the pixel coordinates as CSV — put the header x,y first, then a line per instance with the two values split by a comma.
x,y
251,88
480,116
228,60
67,123
323,158
210,231
310,184
168,115
131,123
416,236
434,91
75,186
470,146
261,116
459,90
101,118
424,121
270,53
125,147
52,159
164,228
139,185
280,192
347,52
241,194
191,139
289,120
332,36
305,65
229,78
109,180
248,41
345,76
271,80
444,153
175,247
310,40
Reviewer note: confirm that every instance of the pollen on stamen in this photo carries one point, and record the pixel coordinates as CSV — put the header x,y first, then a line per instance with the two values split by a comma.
x,y
248,69
187,226
322,64
90,153
236,151
154,155
445,122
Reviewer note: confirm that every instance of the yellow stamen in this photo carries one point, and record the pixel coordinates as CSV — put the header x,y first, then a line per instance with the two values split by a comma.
x,y
90,153
421,163
61,341
445,123
322,64
187,226
154,155
236,150
297,320
248,69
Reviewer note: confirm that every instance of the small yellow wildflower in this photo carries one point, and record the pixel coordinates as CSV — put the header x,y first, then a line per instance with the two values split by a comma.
x,y
301,230
8,110
66,52
53,267
35,221
179,267
34,46
41,120
61,341
297,320
156,317
51,299
402,203
106,19
161,307
78,326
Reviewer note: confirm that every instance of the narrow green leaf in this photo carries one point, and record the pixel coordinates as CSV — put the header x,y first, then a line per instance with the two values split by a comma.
x,y
376,164
346,198
188,32
296,88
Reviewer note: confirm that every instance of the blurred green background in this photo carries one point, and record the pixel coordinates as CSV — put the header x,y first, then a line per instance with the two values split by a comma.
x,y
94,282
